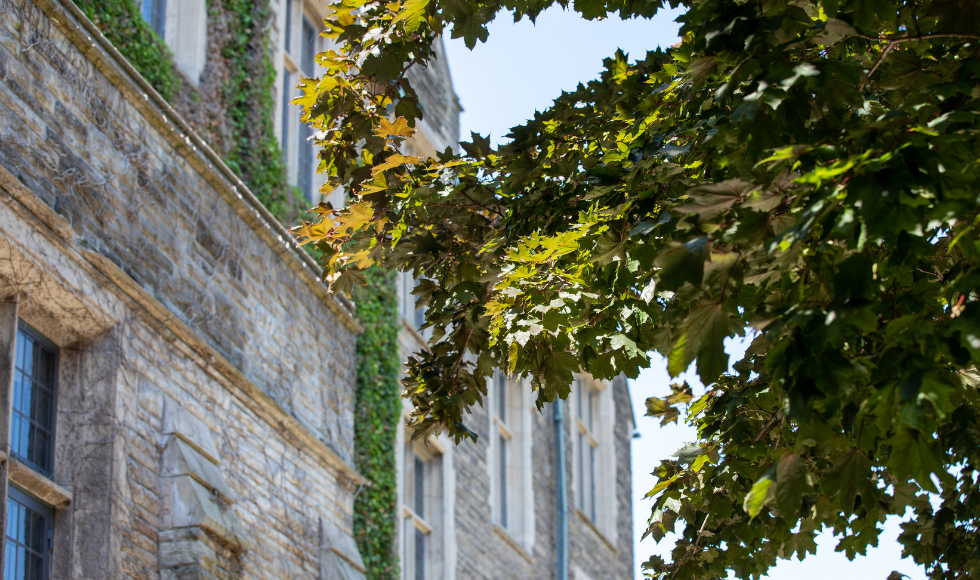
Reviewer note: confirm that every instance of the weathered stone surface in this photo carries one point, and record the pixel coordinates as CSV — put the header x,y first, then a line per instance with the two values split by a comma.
x,y
206,379
179,421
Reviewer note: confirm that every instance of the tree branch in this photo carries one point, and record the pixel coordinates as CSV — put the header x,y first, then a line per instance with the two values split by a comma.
x,y
893,42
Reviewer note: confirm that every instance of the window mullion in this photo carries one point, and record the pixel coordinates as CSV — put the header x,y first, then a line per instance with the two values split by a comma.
x,y
8,355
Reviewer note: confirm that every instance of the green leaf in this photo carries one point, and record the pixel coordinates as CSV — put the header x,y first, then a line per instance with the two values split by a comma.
x,y
707,201
791,479
849,476
702,336
680,263
762,492
412,13
660,408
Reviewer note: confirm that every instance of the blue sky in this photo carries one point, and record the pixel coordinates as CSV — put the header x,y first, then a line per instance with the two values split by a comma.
x,y
500,84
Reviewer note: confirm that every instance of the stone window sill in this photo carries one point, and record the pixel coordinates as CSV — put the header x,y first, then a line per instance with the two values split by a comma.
x,y
505,535
36,484
588,522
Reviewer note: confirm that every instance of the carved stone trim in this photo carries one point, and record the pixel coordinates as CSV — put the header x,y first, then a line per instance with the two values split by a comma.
x,y
36,484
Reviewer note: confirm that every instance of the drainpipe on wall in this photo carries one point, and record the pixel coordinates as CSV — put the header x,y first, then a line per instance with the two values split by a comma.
x,y
561,491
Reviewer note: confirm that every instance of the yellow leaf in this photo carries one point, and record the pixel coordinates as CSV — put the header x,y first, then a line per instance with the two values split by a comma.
x,y
394,161
399,128
358,215
379,183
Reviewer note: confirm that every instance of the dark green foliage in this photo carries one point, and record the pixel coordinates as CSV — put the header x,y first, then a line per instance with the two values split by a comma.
x,y
256,155
807,171
121,22
376,418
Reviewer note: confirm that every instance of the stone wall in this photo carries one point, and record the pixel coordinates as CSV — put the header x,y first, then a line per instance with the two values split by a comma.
x,y
486,554
170,292
483,551
440,106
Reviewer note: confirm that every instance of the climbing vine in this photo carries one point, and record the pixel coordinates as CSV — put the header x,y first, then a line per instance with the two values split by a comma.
x,y
255,154
233,109
121,22
376,419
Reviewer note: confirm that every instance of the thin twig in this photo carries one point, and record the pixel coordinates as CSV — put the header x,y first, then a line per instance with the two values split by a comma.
x,y
769,425
893,42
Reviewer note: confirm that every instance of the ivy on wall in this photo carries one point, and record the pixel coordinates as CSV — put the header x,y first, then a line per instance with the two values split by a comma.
x,y
245,102
121,22
255,154
376,418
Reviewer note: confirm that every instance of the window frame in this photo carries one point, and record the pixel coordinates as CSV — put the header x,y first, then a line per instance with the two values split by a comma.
x,y
157,15
46,512
408,310
586,432
299,155
34,334
509,460
419,523
504,440
594,457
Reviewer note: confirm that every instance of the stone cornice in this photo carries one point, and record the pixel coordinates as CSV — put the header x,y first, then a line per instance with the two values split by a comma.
x,y
90,41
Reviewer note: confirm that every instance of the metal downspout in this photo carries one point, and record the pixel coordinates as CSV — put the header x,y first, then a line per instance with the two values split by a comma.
x,y
561,492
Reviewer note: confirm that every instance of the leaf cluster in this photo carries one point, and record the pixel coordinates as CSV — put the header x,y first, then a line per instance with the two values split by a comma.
x,y
806,170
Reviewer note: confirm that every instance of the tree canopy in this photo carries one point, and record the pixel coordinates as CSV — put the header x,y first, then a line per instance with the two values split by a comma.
x,y
804,171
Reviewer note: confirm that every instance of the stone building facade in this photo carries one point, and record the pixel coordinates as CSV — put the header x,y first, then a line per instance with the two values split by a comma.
x,y
177,386
166,413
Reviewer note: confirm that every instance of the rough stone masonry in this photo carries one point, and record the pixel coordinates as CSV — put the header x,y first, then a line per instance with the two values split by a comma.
x,y
190,439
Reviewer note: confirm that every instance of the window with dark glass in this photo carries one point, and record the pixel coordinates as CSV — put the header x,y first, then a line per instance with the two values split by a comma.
x,y
308,50
418,517
155,14
32,420
586,400
286,87
305,165
504,435
28,545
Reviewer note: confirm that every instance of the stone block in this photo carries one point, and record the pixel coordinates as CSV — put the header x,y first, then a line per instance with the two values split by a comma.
x,y
179,458
180,422
193,505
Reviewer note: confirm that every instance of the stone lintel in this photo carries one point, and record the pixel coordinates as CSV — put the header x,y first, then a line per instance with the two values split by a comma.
x,y
36,484
194,506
